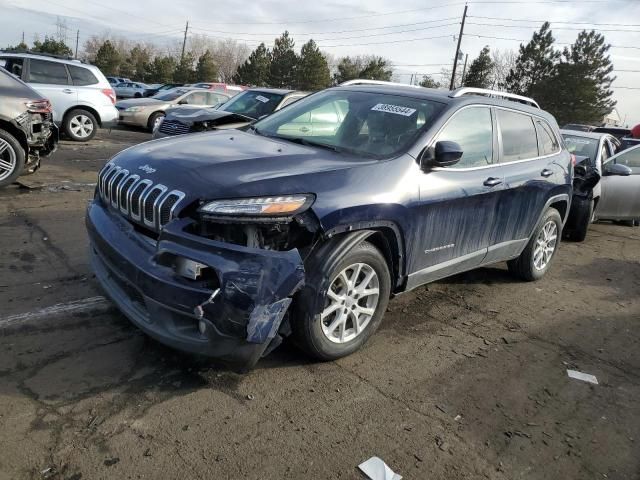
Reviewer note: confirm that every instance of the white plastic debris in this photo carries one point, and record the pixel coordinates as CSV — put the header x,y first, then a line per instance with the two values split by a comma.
x,y
585,377
376,469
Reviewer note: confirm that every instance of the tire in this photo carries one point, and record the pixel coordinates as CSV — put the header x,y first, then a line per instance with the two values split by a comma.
x,y
137,95
636,223
153,118
309,326
12,157
80,125
579,232
528,266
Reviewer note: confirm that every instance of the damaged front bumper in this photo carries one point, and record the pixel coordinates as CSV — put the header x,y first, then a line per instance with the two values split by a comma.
x,y
231,310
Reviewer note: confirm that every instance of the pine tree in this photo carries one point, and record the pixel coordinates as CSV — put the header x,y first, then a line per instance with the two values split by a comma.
x,y
377,69
580,90
108,59
52,46
136,64
348,69
312,71
480,73
255,70
184,70
536,61
161,70
21,47
428,82
206,69
283,62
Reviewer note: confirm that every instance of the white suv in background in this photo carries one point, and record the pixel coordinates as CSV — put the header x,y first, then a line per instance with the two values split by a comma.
x,y
82,98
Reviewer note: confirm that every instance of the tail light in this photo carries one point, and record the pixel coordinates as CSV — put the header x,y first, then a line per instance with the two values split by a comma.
x,y
573,160
110,93
39,106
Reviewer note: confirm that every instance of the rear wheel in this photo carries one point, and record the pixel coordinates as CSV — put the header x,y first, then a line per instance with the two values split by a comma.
x,y
11,158
536,258
80,125
336,322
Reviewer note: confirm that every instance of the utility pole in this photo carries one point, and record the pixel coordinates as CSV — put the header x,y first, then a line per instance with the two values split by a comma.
x,y
455,58
77,41
23,36
184,42
464,69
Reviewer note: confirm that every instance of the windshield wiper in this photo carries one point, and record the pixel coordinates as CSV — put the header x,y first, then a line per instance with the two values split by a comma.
x,y
255,130
309,143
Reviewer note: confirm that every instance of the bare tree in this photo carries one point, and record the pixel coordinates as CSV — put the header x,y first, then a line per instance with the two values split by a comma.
x,y
229,54
503,62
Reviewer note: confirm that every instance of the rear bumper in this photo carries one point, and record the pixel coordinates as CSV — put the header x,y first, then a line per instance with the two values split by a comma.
x,y
108,116
255,287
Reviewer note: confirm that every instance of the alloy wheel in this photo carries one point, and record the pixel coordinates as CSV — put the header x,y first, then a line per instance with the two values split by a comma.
x,y
7,159
350,303
545,245
81,126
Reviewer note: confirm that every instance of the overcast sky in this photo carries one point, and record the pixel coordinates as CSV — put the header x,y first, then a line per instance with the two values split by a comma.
x,y
417,35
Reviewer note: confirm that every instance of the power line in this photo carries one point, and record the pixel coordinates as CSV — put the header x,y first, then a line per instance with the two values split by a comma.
x,y
387,42
552,28
557,21
521,40
330,32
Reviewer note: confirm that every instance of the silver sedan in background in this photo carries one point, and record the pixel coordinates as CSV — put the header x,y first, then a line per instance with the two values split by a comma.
x,y
620,197
149,112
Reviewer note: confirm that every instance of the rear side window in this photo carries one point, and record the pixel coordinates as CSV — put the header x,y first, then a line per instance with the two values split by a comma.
x,y
547,141
519,140
13,65
82,76
472,129
42,71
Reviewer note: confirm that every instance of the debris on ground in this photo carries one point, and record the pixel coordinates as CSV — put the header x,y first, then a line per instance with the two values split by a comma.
x,y
585,377
376,469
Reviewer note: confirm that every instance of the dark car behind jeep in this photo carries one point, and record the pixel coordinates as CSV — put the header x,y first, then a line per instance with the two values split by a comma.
x,y
226,242
27,132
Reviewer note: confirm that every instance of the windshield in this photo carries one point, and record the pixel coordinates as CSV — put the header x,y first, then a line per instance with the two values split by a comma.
x,y
374,125
582,146
252,103
170,95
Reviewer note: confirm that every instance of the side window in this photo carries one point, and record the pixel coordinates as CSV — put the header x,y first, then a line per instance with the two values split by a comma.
x,y
196,98
547,141
519,141
472,129
289,101
630,158
215,99
42,71
13,65
82,76
605,151
325,114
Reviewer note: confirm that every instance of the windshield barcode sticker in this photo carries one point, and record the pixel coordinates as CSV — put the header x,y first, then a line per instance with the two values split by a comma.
x,y
262,99
397,109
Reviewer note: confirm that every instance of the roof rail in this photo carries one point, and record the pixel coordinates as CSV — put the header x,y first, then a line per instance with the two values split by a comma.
x,y
364,81
459,92
44,54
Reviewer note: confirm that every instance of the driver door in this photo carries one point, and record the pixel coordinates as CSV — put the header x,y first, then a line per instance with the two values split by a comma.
x,y
620,197
456,213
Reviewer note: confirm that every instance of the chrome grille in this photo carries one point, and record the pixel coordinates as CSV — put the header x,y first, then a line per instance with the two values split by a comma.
x,y
174,127
152,205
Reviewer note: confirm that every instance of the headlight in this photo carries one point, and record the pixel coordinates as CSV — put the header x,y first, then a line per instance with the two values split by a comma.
x,y
273,206
134,109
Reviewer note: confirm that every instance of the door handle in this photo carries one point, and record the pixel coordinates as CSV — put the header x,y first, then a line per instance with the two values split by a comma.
x,y
492,182
304,129
546,173
67,90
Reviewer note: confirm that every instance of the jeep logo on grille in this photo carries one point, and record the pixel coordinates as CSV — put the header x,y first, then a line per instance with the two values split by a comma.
x,y
147,169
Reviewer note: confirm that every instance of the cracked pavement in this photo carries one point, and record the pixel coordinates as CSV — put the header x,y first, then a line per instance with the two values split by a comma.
x,y
466,378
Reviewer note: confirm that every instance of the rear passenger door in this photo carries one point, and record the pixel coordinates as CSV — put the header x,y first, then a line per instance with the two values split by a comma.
x,y
52,81
531,170
456,212
85,83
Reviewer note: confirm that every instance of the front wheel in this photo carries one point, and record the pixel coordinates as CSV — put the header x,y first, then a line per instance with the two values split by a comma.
x,y
535,259
80,125
11,158
155,119
339,318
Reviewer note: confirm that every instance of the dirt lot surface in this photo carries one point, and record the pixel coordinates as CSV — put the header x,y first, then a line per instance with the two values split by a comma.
x,y
465,379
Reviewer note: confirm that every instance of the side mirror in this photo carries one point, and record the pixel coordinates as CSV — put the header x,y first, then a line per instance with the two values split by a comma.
x,y
617,169
444,154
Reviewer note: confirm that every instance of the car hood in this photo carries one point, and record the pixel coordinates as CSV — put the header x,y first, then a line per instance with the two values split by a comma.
x,y
221,164
140,102
189,116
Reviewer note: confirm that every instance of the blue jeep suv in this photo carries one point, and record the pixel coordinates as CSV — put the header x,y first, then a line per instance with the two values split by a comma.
x,y
223,243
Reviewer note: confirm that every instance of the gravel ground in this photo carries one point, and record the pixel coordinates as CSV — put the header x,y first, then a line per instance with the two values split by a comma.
x,y
465,379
